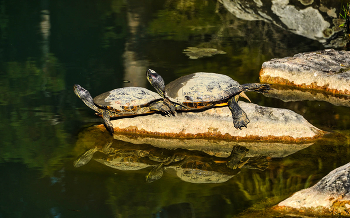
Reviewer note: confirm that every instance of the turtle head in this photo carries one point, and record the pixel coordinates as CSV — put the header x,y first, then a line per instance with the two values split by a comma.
x,y
156,81
85,96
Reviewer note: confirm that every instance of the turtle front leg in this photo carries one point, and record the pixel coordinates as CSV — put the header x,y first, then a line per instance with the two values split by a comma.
x,y
240,118
160,106
106,115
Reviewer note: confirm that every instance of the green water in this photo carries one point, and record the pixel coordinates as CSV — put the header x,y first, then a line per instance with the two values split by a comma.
x,y
47,46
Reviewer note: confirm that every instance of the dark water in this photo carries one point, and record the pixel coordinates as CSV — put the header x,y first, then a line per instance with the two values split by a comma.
x,y
47,46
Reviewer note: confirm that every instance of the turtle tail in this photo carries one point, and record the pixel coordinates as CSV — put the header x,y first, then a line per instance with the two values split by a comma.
x,y
257,87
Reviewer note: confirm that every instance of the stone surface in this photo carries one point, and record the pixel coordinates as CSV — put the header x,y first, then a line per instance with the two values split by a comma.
x,y
288,94
330,195
265,124
327,70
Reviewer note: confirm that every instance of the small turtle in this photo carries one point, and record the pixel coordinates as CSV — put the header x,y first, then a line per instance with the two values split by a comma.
x,y
205,90
122,102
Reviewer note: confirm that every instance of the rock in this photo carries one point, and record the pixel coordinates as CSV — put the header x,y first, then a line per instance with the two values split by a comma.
x,y
327,70
288,94
330,196
265,124
308,18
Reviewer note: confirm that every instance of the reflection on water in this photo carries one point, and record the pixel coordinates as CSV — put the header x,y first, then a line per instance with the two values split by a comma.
x,y
47,46
190,166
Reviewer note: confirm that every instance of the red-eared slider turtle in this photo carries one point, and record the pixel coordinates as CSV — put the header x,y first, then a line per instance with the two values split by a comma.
x,y
122,102
205,90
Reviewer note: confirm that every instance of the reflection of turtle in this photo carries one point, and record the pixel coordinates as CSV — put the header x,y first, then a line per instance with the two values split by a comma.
x,y
204,90
87,156
235,160
121,102
197,170
198,167
126,159
157,171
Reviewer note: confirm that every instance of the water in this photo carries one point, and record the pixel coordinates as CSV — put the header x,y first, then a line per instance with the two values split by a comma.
x,y
47,46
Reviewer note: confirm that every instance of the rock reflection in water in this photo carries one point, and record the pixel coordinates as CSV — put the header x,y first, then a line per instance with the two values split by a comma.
x,y
190,166
288,94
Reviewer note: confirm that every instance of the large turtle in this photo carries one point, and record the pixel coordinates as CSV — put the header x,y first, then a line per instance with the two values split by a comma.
x,y
205,90
122,102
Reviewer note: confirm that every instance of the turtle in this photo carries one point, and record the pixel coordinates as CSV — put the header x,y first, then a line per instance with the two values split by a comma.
x,y
121,102
203,90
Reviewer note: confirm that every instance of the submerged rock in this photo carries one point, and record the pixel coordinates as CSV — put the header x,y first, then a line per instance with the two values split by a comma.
x,y
327,70
330,196
265,124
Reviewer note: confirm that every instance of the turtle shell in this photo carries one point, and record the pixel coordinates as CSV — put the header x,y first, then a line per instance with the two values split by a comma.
x,y
128,97
202,88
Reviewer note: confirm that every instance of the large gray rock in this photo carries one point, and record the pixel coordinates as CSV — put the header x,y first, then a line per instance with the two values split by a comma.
x,y
265,124
327,70
331,195
308,18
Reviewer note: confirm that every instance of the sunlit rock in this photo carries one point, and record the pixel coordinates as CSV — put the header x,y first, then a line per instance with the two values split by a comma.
x,y
288,94
330,196
327,70
265,124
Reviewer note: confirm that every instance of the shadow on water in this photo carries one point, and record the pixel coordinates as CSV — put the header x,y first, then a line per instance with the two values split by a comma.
x,y
47,46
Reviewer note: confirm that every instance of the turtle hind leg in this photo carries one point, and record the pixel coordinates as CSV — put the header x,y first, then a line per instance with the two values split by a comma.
x,y
257,87
240,118
106,115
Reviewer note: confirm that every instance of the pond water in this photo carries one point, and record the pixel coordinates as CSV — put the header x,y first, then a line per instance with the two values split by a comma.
x,y
47,46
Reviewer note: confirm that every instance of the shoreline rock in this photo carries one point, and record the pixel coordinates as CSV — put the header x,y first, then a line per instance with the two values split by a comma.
x,y
327,70
330,196
266,124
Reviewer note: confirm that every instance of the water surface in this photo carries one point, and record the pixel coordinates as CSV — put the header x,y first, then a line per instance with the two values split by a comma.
x,y
47,46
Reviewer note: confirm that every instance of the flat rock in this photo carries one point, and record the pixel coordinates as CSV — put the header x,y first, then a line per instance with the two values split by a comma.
x,y
330,196
327,70
266,123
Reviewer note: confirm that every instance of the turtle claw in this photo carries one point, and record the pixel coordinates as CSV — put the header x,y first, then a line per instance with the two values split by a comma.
x,y
239,123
